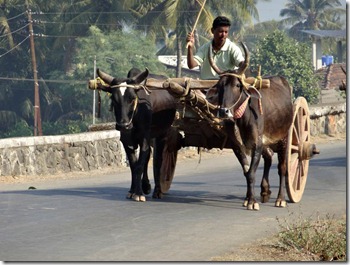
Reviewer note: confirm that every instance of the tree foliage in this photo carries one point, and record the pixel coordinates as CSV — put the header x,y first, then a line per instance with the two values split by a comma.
x,y
120,33
311,14
280,55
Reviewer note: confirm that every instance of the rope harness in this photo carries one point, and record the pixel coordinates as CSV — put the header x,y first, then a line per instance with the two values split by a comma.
x,y
94,86
238,112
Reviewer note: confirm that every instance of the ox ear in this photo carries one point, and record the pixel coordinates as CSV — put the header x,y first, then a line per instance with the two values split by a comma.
x,y
255,102
253,92
212,95
105,77
141,76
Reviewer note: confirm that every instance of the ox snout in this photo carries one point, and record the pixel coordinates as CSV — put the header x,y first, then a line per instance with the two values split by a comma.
x,y
123,126
224,113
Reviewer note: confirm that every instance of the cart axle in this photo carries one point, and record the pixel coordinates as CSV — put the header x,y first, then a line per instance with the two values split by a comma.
x,y
308,151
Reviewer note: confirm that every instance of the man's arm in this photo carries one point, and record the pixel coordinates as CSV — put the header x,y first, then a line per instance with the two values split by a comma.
x,y
191,62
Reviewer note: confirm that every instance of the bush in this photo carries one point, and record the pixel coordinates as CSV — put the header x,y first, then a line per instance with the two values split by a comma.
x,y
20,129
324,238
280,55
64,127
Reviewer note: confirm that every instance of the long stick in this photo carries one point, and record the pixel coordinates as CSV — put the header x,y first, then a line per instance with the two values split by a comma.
x,y
195,23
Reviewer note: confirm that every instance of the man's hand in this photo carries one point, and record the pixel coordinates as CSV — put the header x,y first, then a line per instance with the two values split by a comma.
x,y
190,40
191,62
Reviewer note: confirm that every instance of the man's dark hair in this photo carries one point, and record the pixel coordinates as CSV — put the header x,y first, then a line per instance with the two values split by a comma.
x,y
221,21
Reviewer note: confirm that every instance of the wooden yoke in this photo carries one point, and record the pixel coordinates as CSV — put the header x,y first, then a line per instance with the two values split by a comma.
x,y
194,83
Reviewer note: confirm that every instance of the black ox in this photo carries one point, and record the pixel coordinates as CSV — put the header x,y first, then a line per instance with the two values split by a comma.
x,y
142,115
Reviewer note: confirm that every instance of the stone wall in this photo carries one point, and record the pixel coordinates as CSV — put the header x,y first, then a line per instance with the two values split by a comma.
x,y
328,119
44,155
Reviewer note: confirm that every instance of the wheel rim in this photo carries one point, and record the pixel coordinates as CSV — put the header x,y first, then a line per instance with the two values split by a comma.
x,y
298,140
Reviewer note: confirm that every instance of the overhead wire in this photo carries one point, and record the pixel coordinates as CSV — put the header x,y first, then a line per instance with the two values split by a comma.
x,y
102,13
44,80
1,55
10,33
11,18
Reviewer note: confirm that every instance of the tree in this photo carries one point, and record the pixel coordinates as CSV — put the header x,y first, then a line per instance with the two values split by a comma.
x,y
116,53
279,54
259,31
310,14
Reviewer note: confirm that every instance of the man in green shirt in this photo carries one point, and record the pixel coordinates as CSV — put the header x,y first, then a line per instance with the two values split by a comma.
x,y
226,54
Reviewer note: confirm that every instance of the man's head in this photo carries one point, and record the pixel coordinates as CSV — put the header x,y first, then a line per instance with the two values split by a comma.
x,y
221,21
220,29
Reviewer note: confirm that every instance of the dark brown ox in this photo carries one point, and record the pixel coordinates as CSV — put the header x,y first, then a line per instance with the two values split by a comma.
x,y
263,118
140,116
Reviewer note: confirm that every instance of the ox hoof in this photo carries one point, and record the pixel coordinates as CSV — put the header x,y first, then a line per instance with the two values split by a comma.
x,y
253,206
139,198
157,195
129,195
245,203
146,188
281,203
265,197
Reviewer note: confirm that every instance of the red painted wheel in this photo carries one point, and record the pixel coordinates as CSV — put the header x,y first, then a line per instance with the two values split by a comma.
x,y
298,150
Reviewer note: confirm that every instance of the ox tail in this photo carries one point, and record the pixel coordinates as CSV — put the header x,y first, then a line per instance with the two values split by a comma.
x,y
169,157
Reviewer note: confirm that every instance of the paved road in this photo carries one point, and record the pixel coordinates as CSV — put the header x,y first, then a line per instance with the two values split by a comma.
x,y
89,219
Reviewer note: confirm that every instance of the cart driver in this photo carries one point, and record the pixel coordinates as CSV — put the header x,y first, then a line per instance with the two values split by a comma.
x,y
226,54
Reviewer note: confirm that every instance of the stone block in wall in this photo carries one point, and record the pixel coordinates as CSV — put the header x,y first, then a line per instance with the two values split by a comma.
x,y
341,123
331,125
328,119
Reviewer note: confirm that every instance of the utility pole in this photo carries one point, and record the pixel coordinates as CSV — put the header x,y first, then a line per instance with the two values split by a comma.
x,y
94,97
37,115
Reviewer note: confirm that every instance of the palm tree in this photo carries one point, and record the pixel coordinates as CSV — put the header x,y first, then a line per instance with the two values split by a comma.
x,y
310,14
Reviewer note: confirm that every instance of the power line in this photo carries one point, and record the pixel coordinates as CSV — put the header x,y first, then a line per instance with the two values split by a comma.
x,y
44,80
16,16
7,34
14,47
102,13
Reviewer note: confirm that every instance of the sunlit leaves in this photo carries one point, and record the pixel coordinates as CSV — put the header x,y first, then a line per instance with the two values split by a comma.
x,y
280,55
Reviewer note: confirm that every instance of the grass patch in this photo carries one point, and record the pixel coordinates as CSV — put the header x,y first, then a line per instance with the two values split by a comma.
x,y
324,238
298,239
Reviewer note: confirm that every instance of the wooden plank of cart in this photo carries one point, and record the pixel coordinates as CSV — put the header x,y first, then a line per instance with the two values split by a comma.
x,y
197,119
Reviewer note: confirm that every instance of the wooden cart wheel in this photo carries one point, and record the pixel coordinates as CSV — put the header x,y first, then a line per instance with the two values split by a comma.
x,y
298,149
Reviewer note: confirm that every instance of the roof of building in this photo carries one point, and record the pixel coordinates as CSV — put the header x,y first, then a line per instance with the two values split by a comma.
x,y
332,76
327,33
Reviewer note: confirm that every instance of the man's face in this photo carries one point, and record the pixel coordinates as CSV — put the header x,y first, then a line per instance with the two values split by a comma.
x,y
220,34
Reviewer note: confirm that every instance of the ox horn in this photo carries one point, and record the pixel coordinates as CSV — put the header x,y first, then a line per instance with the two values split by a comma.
x,y
141,76
105,77
211,62
245,64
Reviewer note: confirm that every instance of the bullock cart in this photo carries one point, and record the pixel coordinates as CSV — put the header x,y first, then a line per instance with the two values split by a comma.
x,y
198,120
